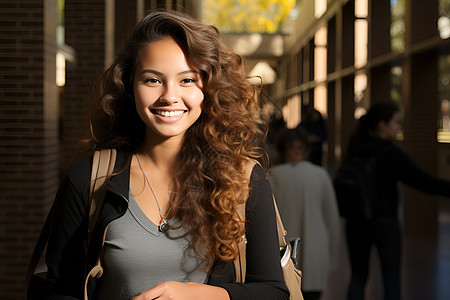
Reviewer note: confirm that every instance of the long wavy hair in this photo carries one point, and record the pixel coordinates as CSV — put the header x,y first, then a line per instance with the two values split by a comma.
x,y
211,176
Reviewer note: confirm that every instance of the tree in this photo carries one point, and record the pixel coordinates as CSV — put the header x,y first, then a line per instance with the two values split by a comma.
x,y
239,16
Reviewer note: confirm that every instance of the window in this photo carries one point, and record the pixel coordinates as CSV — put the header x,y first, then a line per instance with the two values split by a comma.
x,y
361,33
397,25
443,134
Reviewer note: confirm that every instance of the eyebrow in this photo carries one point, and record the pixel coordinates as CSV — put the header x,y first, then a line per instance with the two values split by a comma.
x,y
161,74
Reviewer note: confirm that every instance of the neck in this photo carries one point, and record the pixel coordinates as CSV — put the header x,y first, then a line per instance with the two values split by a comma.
x,y
160,153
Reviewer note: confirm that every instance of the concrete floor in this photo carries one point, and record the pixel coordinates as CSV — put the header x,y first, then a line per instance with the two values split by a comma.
x,y
426,268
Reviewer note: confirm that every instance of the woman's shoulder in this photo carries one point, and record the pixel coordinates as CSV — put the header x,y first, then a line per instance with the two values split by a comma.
x,y
79,172
82,166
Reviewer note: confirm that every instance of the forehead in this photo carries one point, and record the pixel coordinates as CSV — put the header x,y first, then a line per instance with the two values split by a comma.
x,y
160,53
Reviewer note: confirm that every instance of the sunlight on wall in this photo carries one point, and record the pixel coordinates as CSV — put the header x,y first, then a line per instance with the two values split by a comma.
x,y
360,88
263,70
361,9
60,69
320,54
361,28
320,99
292,111
361,32
320,7
444,19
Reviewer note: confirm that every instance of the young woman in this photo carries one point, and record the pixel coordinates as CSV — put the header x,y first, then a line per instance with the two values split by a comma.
x,y
378,224
177,107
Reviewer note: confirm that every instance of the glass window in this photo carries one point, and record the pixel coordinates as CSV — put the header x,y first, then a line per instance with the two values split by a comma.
x,y
360,97
396,93
320,54
398,25
361,33
60,57
320,7
320,99
443,134
292,111
444,19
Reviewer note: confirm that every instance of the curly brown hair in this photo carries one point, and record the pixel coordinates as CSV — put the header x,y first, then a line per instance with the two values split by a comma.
x,y
211,174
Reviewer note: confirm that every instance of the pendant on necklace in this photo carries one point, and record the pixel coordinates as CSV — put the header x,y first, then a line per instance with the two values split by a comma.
x,y
164,226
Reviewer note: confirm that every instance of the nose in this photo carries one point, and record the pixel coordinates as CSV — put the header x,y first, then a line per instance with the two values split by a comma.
x,y
170,94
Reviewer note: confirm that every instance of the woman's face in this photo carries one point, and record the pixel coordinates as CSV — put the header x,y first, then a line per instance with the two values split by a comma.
x,y
167,90
390,129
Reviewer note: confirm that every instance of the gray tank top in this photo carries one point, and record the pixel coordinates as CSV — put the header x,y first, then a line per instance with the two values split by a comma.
x,y
137,256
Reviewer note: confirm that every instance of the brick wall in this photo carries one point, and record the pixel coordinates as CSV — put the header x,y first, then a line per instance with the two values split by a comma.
x,y
39,123
28,134
85,33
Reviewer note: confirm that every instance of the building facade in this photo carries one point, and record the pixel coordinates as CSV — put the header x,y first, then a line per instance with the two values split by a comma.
x,y
51,52
344,55
341,56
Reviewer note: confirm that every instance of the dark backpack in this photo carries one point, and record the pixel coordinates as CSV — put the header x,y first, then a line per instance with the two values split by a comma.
x,y
355,188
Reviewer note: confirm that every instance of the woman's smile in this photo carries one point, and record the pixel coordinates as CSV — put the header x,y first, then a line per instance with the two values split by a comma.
x,y
168,115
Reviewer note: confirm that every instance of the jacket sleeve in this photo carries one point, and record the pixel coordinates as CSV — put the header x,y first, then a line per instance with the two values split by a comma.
x,y
65,255
412,175
264,277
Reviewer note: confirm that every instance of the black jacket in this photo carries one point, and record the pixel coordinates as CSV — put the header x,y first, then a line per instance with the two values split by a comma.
x,y
68,263
391,166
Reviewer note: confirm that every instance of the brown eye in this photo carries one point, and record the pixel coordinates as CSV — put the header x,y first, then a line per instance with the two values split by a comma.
x,y
152,81
188,80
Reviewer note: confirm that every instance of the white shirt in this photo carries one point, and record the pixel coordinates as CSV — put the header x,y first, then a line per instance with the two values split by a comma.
x,y
307,203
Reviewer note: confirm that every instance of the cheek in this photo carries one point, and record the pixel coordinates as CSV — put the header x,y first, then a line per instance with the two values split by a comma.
x,y
196,98
144,97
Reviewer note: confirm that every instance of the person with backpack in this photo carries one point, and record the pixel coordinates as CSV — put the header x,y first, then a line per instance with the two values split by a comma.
x,y
177,107
368,197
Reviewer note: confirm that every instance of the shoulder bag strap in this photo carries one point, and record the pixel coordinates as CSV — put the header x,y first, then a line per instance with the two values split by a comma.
x,y
240,261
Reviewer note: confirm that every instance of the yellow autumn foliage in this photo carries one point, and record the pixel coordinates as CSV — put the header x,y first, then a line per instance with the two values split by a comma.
x,y
262,16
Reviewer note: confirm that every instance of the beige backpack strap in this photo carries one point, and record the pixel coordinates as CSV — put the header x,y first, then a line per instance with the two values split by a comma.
x,y
97,270
102,166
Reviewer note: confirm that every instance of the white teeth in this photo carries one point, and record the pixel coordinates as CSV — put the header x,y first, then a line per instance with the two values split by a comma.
x,y
172,113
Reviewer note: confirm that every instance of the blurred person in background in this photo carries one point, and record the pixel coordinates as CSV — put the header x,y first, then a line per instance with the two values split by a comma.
x,y
307,204
314,124
368,198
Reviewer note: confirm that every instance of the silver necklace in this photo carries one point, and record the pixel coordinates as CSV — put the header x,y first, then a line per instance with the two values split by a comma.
x,y
164,224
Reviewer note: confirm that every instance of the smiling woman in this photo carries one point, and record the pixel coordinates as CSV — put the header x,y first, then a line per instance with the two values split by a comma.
x,y
168,93
177,107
